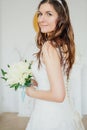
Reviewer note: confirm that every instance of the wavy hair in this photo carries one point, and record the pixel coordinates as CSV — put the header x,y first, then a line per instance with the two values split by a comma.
x,y
62,37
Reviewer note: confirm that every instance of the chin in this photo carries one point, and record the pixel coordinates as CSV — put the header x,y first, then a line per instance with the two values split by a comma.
x,y
45,31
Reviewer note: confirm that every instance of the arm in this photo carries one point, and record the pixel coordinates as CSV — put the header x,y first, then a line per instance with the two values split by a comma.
x,y
53,68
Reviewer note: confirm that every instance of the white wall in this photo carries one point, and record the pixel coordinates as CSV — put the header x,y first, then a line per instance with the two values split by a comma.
x,y
78,15
79,9
17,40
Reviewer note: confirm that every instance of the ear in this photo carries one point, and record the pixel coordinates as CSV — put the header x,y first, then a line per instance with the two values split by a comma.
x,y
35,22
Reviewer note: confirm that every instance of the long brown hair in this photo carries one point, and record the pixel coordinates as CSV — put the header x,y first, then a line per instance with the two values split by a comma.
x,y
62,37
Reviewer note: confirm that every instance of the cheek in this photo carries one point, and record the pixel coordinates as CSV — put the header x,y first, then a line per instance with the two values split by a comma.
x,y
53,23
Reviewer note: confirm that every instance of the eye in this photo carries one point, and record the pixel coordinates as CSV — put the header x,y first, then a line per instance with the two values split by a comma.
x,y
39,14
49,14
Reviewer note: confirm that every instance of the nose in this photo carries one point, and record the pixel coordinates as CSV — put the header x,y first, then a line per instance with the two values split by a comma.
x,y
41,18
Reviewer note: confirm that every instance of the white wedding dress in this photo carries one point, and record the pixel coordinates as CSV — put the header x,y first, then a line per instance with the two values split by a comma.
x,y
49,115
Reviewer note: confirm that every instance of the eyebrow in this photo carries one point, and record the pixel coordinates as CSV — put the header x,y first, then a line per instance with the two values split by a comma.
x,y
46,11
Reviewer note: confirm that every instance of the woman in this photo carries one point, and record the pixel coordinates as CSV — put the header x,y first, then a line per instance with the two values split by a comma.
x,y
55,59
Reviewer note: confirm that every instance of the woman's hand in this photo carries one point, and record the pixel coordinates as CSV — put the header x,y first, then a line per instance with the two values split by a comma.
x,y
34,82
30,90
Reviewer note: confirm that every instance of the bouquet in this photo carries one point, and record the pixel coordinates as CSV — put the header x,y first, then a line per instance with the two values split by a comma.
x,y
18,75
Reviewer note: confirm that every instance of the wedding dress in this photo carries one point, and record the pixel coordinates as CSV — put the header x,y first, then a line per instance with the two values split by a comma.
x,y
49,115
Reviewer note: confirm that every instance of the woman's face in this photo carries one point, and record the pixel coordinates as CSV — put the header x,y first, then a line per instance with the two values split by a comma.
x,y
47,18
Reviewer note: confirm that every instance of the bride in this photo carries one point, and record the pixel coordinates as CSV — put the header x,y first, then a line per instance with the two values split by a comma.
x,y
51,68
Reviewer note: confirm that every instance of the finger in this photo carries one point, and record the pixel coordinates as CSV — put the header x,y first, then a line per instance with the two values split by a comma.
x,y
34,82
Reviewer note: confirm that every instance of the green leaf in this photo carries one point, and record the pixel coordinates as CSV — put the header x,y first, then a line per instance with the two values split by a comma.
x,y
30,65
3,72
4,78
28,84
25,60
15,86
8,66
29,76
27,81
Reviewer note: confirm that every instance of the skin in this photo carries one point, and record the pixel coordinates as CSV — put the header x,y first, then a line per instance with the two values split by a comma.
x,y
47,19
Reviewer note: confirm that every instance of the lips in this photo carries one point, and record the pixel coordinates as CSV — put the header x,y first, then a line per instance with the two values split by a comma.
x,y
43,25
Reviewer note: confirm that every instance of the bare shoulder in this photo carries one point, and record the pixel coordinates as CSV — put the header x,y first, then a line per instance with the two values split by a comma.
x,y
52,51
